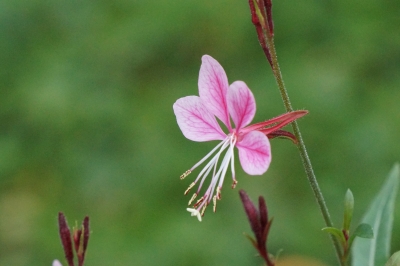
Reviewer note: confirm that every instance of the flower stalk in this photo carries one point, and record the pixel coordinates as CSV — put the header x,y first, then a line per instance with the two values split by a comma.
x,y
263,11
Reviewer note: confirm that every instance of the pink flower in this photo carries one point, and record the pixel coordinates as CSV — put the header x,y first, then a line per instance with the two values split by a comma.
x,y
196,118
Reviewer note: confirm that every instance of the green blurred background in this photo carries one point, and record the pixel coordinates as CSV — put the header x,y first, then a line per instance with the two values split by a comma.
x,y
87,125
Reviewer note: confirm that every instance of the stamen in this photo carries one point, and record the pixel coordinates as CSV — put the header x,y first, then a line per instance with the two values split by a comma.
x,y
213,192
233,160
213,162
185,174
199,201
220,175
215,203
209,154
234,183
219,193
225,164
192,199
208,167
189,188
203,210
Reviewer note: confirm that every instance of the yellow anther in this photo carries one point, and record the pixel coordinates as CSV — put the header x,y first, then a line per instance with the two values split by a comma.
x,y
215,203
203,210
234,183
185,174
189,188
218,193
192,199
198,202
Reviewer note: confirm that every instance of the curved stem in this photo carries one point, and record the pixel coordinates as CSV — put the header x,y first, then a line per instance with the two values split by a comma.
x,y
301,146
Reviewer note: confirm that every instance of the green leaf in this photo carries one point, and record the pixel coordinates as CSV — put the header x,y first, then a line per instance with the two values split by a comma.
x,y
364,231
348,209
394,260
336,233
375,252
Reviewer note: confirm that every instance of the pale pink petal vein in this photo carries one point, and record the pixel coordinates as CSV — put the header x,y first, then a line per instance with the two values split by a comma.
x,y
213,87
241,104
254,153
196,122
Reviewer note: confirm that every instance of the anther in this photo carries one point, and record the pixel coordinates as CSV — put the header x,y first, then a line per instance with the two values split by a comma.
x,y
189,188
219,193
192,199
234,183
215,203
203,210
185,174
198,202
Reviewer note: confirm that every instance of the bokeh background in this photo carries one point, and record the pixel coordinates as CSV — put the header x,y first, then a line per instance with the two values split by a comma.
x,y
87,125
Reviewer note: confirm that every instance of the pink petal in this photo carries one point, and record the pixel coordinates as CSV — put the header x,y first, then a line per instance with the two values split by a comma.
x,y
195,120
213,87
241,104
254,153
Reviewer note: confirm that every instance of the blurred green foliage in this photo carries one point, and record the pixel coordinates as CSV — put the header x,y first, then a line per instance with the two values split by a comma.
x,y
87,126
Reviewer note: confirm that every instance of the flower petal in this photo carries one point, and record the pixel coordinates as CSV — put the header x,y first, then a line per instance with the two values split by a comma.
x,y
254,153
241,104
195,120
213,87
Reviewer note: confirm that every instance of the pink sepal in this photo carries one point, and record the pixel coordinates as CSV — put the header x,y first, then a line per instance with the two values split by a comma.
x,y
275,123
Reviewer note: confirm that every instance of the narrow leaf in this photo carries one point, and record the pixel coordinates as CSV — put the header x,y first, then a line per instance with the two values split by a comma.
x,y
394,260
336,233
375,252
348,209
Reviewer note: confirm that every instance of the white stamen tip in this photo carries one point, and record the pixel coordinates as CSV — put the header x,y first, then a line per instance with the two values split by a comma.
x,y
194,212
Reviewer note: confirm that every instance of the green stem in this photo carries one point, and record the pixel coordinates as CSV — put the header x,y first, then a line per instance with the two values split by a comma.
x,y
301,146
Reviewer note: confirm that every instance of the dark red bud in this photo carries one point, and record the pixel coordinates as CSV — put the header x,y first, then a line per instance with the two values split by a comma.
x,y
268,8
252,215
263,211
65,235
259,28
85,241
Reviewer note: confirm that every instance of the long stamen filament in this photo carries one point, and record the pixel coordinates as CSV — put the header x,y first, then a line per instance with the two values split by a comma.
x,y
233,164
208,155
218,175
212,162
204,178
222,169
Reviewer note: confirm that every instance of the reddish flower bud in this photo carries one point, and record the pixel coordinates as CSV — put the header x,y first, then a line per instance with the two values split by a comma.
x,y
259,223
262,20
80,238
65,236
